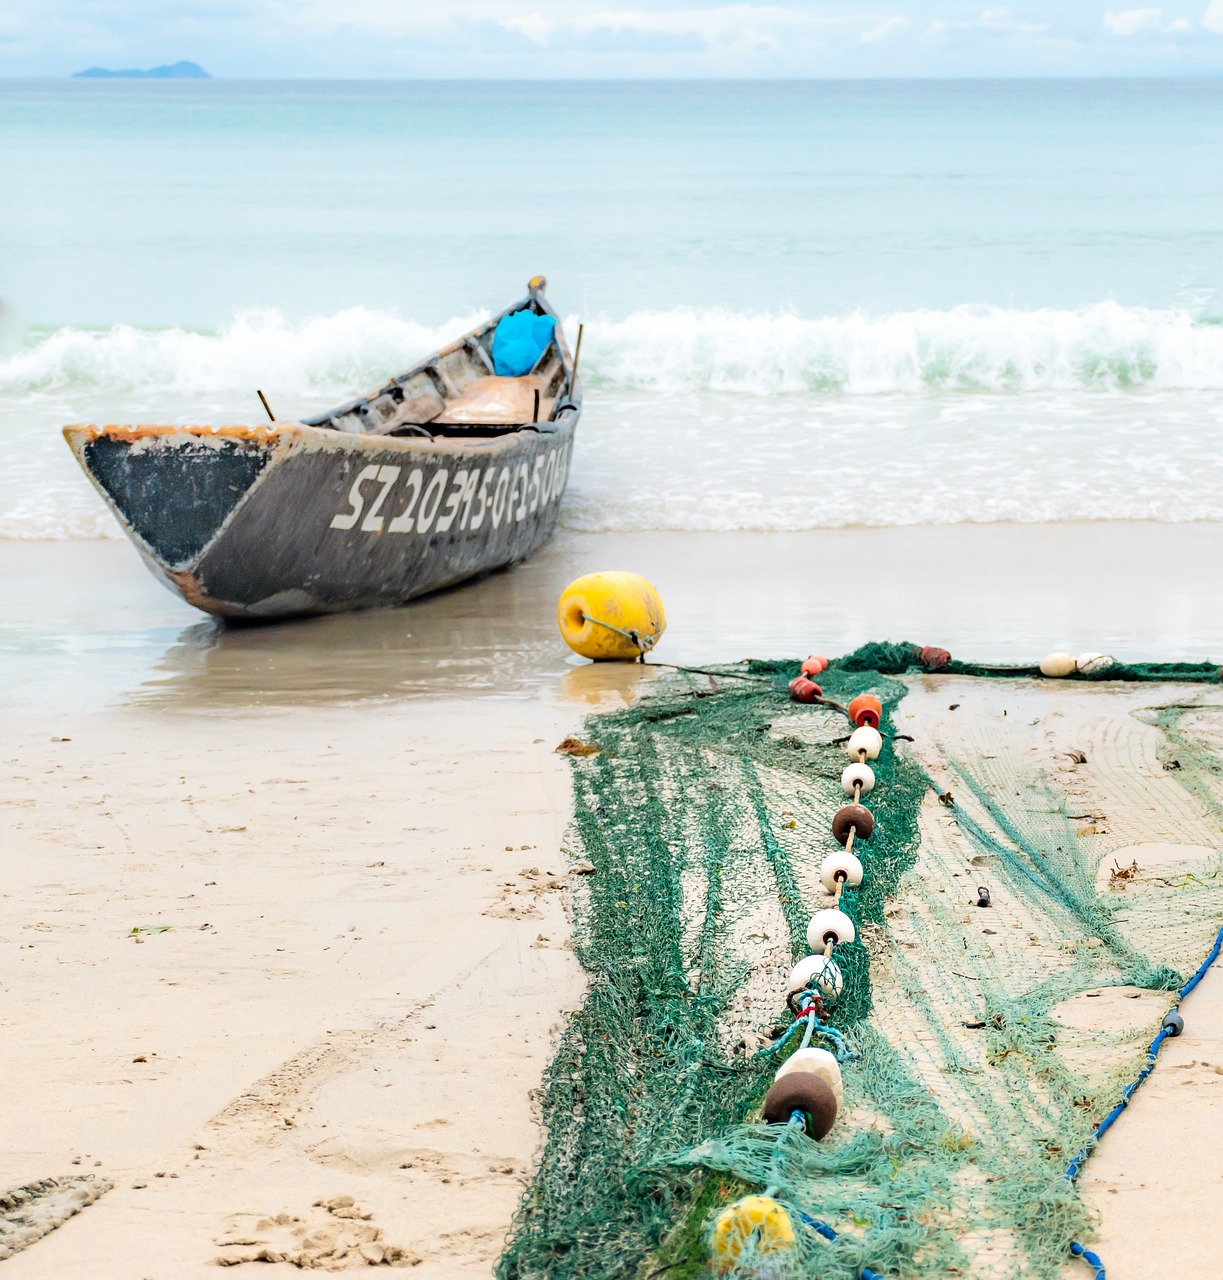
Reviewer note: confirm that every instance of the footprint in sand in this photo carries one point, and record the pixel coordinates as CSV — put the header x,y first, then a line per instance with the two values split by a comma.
x,y
531,885
340,1237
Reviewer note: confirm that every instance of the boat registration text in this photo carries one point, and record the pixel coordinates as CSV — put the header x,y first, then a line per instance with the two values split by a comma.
x,y
466,498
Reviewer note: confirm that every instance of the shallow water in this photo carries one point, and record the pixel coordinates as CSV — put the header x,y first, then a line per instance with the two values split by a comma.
x,y
84,624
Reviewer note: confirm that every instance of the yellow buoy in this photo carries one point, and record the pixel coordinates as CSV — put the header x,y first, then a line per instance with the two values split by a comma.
x,y
755,1221
611,617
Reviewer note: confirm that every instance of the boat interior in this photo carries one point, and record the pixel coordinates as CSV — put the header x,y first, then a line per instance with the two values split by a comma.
x,y
457,392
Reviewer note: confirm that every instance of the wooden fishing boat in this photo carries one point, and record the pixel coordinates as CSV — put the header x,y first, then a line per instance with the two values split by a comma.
x,y
442,474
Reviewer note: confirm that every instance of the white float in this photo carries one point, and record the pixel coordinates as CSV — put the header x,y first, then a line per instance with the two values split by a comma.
x,y
821,972
865,739
856,775
844,865
829,921
1058,665
1090,663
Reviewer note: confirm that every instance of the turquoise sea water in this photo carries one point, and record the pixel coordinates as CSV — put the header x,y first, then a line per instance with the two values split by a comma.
x,y
997,300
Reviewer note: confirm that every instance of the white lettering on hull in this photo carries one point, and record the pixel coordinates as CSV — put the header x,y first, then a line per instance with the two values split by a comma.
x,y
477,496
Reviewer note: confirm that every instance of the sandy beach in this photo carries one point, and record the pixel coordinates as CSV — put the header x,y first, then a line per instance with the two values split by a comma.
x,y
285,907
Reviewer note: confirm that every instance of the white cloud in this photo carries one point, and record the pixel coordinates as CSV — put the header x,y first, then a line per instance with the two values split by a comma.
x,y
888,27
1130,22
534,26
1212,19
754,26
1001,20
997,20
719,25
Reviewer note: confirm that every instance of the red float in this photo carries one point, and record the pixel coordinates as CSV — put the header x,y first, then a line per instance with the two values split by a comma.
x,y
804,690
933,658
815,665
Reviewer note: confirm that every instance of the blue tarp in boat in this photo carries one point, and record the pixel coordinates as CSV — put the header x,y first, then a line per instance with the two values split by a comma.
x,y
519,340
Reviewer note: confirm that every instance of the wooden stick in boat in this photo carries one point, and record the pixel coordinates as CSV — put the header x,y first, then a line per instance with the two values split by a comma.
x,y
263,401
535,412
577,355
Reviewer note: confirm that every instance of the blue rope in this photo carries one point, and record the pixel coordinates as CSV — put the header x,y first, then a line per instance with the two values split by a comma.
x,y
1201,973
1090,1258
796,1121
1074,1168
822,1228
840,1047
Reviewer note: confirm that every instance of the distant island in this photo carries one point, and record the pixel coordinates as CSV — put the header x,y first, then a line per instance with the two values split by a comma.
x,y
176,71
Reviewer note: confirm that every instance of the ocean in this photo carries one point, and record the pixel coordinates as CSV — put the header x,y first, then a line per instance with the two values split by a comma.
x,y
807,304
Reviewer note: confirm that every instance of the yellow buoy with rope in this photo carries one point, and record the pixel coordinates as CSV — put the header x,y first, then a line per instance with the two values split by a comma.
x,y
614,616
755,1225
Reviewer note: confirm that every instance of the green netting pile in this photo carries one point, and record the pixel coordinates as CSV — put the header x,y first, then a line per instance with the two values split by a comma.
x,y
986,1041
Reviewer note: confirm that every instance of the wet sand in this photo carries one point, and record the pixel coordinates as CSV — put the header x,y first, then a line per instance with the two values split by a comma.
x,y
352,827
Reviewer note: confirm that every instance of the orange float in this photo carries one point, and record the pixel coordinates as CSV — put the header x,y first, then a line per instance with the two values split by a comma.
x,y
865,709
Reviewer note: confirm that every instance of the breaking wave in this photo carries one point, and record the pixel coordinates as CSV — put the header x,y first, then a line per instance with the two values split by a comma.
x,y
968,348
338,355
971,414
981,349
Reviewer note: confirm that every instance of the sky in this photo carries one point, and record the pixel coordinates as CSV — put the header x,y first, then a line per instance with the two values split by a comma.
x,y
591,38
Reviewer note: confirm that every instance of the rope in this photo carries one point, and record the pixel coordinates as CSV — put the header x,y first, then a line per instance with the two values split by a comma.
x,y
701,671
633,637
1090,1258
796,1121
841,1047
1201,973
810,1030
1075,1167
808,1019
823,1229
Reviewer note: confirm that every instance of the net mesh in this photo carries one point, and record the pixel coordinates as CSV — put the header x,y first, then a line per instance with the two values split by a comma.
x,y
986,1040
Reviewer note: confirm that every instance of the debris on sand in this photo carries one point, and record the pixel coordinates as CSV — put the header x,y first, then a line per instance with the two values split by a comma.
x,y
28,1213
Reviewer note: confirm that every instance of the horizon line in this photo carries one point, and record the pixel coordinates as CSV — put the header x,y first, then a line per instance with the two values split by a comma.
x,y
62,77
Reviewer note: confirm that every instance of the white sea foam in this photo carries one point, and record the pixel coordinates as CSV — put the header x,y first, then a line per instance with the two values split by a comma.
x,y
707,420
1103,346
967,348
337,355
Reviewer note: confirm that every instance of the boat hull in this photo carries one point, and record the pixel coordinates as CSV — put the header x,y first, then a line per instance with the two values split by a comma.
x,y
291,520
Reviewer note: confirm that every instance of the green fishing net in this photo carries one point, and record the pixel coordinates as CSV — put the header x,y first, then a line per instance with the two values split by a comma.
x,y
984,1041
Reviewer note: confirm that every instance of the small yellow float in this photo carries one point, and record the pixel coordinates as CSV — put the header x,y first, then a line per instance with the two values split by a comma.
x,y
757,1223
614,616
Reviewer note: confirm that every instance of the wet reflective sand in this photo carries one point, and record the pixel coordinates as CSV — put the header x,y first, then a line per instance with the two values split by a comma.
x,y
85,622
